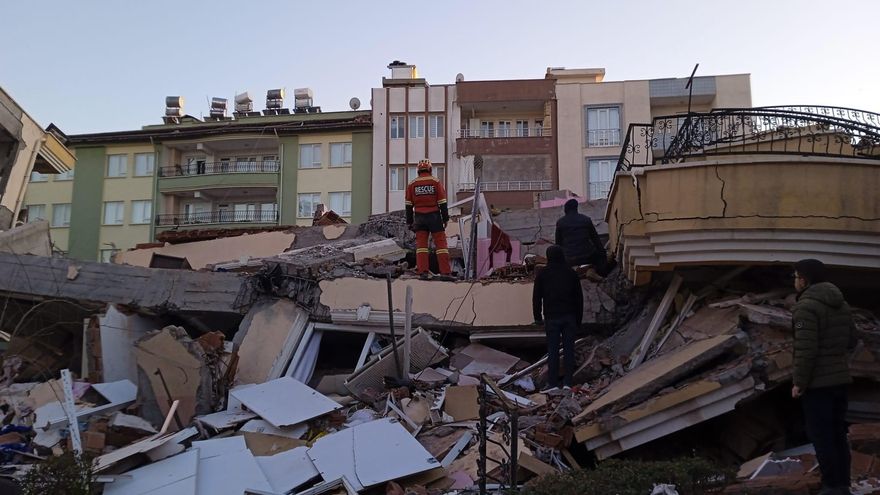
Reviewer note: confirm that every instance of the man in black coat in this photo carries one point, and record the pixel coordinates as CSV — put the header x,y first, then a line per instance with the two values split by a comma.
x,y
557,291
579,240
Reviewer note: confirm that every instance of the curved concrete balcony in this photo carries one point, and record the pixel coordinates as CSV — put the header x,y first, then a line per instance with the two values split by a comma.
x,y
714,203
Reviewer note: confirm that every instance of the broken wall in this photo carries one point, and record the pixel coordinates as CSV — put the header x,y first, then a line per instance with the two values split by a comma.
x,y
200,254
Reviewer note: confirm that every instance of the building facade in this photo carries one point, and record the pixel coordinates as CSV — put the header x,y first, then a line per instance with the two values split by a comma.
x,y
26,149
563,131
189,176
594,116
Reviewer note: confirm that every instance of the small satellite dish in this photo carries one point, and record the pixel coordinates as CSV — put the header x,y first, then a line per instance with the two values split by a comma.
x,y
354,103
459,77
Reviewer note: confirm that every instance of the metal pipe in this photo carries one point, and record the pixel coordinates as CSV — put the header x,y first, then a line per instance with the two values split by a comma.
x,y
391,327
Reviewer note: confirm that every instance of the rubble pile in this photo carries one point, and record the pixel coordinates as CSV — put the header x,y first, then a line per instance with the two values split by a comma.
x,y
312,371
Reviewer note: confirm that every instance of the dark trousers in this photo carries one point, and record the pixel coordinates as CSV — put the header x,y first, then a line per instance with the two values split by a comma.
x,y
564,328
824,415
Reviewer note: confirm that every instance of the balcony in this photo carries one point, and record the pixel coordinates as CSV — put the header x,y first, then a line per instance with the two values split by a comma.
x,y
215,168
748,186
220,217
509,185
603,138
202,176
514,141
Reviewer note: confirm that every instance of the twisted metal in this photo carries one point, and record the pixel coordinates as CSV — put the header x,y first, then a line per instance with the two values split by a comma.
x,y
799,130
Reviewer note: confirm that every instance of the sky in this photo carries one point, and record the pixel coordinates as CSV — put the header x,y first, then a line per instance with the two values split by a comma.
x,y
107,65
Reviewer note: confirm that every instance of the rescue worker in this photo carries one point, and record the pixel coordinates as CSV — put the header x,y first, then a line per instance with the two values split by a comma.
x,y
426,212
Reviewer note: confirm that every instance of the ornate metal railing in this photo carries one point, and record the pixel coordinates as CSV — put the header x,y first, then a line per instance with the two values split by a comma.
x,y
796,130
220,216
509,185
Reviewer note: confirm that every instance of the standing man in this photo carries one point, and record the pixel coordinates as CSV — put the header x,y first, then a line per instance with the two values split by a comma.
x,y
823,332
426,212
558,289
579,240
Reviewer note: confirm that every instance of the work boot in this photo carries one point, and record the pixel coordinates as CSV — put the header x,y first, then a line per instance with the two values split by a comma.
x,y
426,275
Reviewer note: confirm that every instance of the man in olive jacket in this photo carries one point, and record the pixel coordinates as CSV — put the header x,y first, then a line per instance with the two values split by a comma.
x,y
823,333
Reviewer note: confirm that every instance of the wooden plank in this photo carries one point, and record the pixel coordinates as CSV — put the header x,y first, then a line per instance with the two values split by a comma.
x,y
534,465
642,350
682,315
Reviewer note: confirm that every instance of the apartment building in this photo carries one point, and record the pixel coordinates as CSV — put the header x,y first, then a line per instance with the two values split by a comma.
x,y
26,149
191,177
562,131
594,116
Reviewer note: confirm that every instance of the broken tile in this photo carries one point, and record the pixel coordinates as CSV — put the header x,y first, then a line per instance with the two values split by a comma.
x,y
284,401
462,403
288,470
173,476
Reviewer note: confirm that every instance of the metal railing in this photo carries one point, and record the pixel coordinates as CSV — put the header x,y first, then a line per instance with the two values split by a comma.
x,y
509,185
224,216
598,138
797,130
504,133
214,168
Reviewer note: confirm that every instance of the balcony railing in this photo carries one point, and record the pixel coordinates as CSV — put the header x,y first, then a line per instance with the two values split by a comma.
x,y
208,217
214,168
509,185
598,138
798,130
504,133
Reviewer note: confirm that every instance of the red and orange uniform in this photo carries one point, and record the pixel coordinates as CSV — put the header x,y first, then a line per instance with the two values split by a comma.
x,y
427,213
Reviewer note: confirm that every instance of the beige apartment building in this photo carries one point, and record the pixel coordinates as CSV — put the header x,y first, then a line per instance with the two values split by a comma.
x,y
561,131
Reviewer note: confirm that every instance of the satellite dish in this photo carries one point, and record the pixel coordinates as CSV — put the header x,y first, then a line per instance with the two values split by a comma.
x,y
354,103
459,77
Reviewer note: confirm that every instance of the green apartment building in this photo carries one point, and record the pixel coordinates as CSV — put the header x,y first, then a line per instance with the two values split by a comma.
x,y
250,171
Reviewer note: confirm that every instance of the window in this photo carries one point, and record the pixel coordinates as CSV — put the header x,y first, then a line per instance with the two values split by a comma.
x,y
107,255
539,128
268,212
307,204
504,128
437,126
600,176
114,212
340,154
310,156
270,163
38,177
397,178
440,173
603,126
248,163
61,215
195,165
417,127
35,213
144,164
65,176
487,129
245,212
141,211
397,130
340,202
117,165
522,128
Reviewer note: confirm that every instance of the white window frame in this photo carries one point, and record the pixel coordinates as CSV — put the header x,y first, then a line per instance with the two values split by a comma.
x,y
119,215
65,176
397,127
522,128
334,155
65,221
417,126
312,163
344,196
437,126
397,178
117,166
602,135
599,189
315,201
150,164
504,128
33,218
146,213
487,129
268,212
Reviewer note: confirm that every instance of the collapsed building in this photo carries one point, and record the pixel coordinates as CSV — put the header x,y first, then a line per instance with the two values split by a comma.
x,y
310,360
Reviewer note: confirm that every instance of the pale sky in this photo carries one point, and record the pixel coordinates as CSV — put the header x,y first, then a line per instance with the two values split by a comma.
x,y
103,65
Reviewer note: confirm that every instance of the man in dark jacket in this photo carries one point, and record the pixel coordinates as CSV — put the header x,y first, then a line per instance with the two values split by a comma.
x,y
823,333
579,240
558,289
